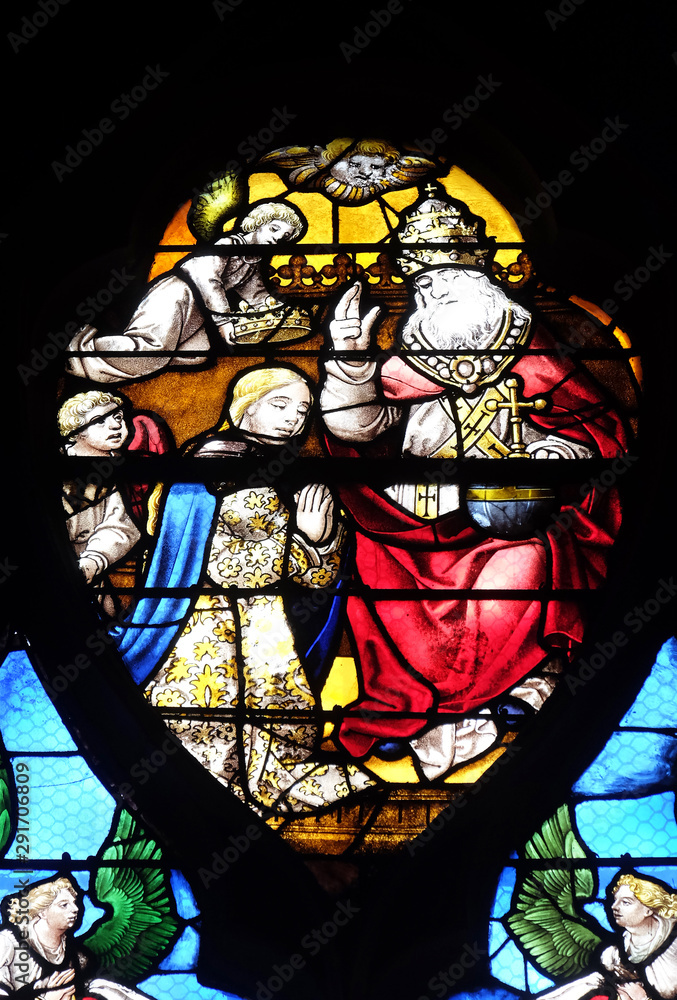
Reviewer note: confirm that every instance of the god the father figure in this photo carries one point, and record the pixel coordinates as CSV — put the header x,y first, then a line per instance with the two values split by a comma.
x,y
442,677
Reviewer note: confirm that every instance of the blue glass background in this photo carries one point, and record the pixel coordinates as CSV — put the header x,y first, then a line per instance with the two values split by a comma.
x,y
71,812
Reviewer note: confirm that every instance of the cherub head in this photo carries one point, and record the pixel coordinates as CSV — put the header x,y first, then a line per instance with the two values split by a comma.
x,y
93,423
270,404
366,163
55,903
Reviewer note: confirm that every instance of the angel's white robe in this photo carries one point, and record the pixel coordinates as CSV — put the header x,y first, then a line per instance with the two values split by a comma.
x,y
20,965
660,972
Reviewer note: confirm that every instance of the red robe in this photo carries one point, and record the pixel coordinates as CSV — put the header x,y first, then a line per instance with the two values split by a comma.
x,y
150,437
454,655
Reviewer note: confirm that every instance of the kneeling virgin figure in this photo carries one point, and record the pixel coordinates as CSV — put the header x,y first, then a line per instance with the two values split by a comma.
x,y
225,670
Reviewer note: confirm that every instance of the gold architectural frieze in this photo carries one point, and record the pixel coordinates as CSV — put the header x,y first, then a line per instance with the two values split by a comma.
x,y
300,276
405,814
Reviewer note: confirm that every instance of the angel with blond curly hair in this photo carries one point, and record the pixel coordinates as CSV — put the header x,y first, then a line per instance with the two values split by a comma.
x,y
212,300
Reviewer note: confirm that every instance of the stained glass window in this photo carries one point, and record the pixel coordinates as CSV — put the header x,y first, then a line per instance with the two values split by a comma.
x,y
315,649
613,843
339,500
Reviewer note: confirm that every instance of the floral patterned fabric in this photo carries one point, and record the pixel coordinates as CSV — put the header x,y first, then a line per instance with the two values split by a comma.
x,y
236,657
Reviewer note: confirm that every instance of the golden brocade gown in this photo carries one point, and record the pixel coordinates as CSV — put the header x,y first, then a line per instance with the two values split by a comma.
x,y
235,668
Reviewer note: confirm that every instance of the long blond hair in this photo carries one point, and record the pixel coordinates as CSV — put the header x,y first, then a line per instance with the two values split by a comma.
x,y
37,899
253,386
658,899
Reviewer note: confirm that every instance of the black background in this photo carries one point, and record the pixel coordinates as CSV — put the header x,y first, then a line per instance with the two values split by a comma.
x,y
560,77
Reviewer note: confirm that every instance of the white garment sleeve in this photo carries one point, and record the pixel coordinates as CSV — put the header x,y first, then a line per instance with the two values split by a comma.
x,y
576,990
208,272
113,536
167,319
7,948
350,405
661,973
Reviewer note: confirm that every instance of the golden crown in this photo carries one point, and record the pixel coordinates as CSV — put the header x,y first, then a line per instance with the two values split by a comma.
x,y
276,323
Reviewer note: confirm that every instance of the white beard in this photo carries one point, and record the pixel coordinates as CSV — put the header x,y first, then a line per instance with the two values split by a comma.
x,y
472,321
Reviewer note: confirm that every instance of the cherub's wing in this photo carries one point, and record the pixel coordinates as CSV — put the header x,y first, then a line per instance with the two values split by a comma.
x,y
218,202
302,162
546,916
408,170
140,926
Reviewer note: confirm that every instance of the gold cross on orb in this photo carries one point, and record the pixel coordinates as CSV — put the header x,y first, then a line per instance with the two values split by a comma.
x,y
430,188
517,449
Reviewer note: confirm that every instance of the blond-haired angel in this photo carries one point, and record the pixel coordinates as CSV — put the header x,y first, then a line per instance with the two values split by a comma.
x,y
643,965
38,956
209,302
100,527
229,678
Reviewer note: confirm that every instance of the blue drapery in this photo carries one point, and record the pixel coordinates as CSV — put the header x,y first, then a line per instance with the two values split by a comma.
x,y
179,558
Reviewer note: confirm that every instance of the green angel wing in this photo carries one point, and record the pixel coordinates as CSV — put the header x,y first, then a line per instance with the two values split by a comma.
x,y
546,916
5,801
142,926
218,202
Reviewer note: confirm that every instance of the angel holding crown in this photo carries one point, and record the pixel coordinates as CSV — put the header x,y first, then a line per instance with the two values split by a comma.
x,y
209,302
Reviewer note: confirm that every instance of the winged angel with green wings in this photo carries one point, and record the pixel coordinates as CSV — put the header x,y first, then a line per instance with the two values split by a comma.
x,y
39,956
547,919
